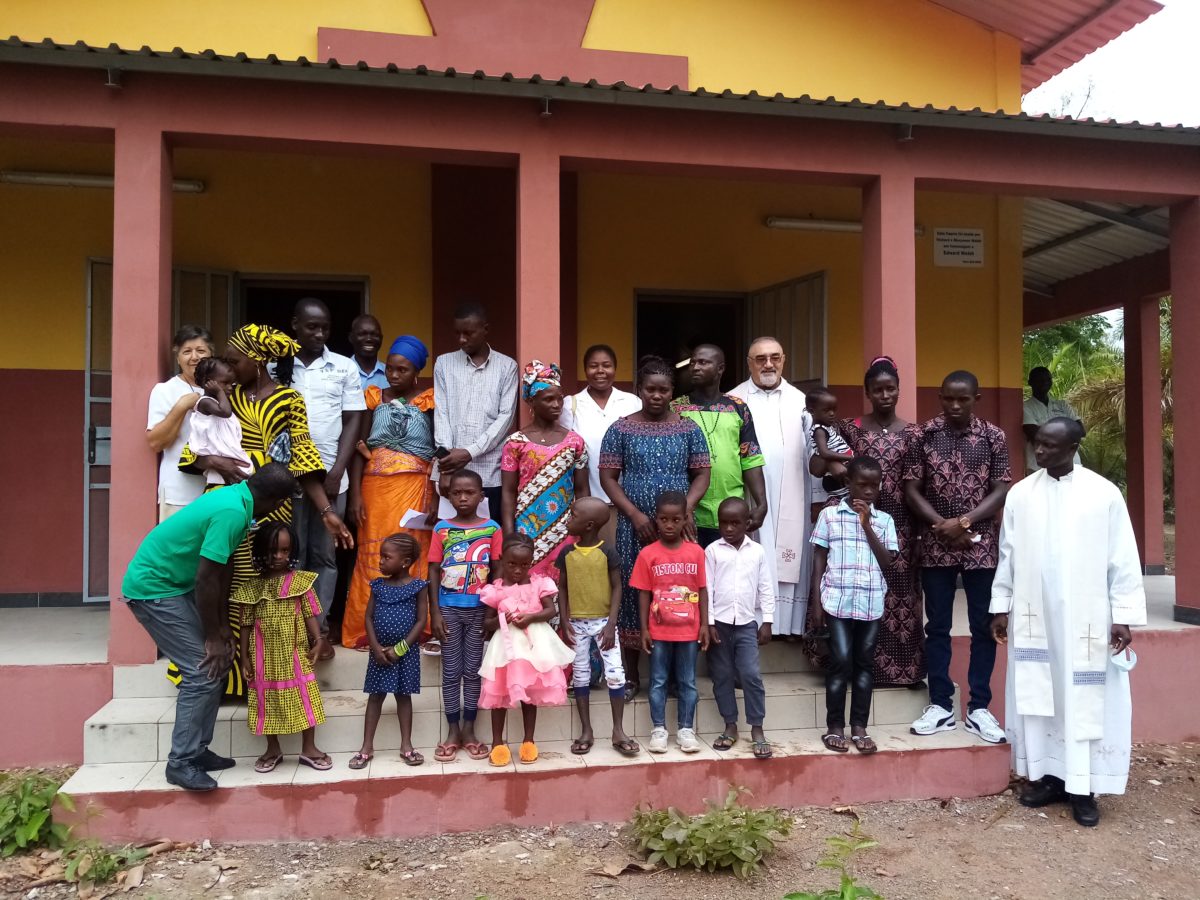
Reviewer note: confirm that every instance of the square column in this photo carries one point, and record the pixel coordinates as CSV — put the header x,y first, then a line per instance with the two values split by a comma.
x,y
1185,325
141,322
538,264
1143,430
889,273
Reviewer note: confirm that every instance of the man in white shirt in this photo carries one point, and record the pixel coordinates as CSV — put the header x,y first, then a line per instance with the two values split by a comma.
x,y
782,424
329,383
1040,409
475,396
741,599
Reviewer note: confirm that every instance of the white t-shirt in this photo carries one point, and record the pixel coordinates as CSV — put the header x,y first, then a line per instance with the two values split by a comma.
x,y
582,415
330,386
174,487
1039,413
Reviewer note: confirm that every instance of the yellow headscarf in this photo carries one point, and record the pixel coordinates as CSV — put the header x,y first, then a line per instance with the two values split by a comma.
x,y
263,343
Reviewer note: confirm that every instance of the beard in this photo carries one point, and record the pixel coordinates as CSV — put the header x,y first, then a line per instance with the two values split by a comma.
x,y
768,379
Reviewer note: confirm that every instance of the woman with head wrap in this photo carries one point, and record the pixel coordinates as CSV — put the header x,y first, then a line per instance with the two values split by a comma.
x,y
543,468
274,429
390,475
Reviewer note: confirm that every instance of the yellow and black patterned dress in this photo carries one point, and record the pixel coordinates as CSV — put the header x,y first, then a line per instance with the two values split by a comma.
x,y
274,429
284,697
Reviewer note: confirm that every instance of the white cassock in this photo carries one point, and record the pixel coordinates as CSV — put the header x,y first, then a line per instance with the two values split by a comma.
x,y
781,423
1068,571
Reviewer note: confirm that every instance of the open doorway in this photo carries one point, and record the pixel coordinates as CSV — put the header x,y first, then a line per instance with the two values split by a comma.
x,y
670,325
270,301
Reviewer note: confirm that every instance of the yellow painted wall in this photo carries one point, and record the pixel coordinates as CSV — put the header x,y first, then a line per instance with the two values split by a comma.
x,y
892,50
640,233
261,213
287,28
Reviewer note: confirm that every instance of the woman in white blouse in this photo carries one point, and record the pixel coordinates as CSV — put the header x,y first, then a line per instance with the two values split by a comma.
x,y
592,410
167,422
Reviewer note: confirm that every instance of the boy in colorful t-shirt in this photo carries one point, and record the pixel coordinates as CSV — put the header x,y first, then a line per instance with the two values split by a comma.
x,y
460,555
669,575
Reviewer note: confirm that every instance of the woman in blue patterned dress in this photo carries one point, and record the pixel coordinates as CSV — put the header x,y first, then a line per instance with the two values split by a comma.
x,y
641,456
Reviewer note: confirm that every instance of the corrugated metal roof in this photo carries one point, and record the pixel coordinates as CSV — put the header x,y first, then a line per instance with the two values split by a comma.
x,y
1062,240
1055,34
177,61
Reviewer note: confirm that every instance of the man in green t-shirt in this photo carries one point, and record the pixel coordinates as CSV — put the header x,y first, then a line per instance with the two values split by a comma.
x,y
177,587
737,461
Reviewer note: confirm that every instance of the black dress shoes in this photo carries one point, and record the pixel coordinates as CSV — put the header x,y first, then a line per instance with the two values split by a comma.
x,y
1085,810
190,777
211,762
1043,792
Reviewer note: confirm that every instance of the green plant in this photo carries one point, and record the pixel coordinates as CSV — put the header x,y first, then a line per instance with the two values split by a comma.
x,y
89,860
27,815
839,855
727,836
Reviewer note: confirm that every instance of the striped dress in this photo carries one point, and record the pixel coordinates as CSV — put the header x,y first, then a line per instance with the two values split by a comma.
x,y
284,697
274,429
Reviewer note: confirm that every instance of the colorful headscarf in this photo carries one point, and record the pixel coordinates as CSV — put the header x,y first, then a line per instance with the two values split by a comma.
x,y
412,349
538,376
263,343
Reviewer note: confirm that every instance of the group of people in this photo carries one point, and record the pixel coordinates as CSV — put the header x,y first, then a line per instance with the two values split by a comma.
x,y
613,526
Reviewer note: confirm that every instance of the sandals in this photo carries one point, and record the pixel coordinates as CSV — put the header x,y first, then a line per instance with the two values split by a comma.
x,y
361,760
500,756
580,747
835,742
446,752
321,763
412,758
724,742
477,750
632,689
528,752
762,749
863,744
627,747
265,764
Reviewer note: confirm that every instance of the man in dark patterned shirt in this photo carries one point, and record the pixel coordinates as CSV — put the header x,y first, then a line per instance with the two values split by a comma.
x,y
955,479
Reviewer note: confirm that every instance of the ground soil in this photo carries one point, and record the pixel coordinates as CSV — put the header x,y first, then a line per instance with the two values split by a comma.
x,y
1145,847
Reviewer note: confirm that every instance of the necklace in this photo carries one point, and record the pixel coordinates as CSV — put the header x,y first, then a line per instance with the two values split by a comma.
x,y
709,432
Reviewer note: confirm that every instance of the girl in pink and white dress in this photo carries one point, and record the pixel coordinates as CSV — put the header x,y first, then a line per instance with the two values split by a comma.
x,y
525,659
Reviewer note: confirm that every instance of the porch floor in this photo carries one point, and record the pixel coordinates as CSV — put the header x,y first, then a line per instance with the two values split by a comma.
x,y
54,636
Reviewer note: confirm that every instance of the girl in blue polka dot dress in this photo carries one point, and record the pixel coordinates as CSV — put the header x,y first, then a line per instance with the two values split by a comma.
x,y
395,619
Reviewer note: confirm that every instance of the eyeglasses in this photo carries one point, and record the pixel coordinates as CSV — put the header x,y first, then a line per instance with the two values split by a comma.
x,y
763,359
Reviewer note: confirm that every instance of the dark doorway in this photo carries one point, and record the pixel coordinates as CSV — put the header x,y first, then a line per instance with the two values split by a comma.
x,y
270,301
670,325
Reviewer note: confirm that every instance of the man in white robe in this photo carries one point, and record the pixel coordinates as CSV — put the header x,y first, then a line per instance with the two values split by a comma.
x,y
782,424
1070,579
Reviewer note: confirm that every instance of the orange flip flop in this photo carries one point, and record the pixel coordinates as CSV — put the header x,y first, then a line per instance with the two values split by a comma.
x,y
528,752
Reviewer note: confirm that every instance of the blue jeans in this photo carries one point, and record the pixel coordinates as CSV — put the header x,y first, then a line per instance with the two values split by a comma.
x,y
174,624
317,550
737,654
678,657
939,584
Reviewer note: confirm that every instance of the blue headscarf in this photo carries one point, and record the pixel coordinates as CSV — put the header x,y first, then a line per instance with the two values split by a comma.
x,y
411,349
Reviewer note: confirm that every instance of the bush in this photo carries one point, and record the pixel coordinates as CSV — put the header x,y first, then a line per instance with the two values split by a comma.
x,y
839,854
726,836
26,815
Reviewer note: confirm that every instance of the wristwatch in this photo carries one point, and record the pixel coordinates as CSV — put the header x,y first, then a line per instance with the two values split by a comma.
x,y
964,523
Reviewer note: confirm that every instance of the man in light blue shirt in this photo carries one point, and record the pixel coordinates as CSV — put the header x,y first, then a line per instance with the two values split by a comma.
x,y
366,337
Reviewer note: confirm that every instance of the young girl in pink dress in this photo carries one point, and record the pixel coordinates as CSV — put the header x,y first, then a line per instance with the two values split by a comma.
x,y
525,658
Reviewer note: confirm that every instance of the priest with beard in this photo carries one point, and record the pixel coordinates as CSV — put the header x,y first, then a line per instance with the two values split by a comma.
x,y
782,424
1067,588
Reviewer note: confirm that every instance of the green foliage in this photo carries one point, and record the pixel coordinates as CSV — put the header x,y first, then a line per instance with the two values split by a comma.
x,y
27,815
726,836
90,860
839,856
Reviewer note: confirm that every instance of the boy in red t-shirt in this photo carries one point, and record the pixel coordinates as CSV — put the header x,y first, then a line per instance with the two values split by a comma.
x,y
669,574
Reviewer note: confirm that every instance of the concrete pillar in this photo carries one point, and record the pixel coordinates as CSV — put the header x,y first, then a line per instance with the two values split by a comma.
x,y
141,324
889,273
538,240
1143,430
1185,325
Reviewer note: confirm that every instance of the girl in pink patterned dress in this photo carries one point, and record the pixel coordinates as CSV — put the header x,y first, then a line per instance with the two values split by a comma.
x,y
543,468
525,659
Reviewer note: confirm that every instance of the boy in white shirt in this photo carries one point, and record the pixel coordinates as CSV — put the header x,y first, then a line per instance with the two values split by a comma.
x,y
741,609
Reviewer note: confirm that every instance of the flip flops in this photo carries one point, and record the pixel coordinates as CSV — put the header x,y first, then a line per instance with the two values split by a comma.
x,y
864,744
476,750
361,760
267,764
321,763
762,749
446,752
835,742
627,747
412,758
580,747
724,742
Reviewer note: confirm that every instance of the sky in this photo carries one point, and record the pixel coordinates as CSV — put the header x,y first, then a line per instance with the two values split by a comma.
x,y
1149,74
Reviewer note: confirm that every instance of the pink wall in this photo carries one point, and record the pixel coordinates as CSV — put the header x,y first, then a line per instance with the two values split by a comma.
x,y
44,708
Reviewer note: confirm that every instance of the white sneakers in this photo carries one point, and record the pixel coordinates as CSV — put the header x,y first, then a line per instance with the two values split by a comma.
x,y
934,719
979,722
658,741
984,724
686,739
